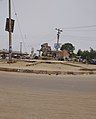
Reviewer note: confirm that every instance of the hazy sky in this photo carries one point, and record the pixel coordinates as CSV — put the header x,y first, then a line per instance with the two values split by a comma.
x,y
39,18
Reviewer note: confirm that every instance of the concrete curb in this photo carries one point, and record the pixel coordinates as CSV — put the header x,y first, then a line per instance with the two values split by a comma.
x,y
47,72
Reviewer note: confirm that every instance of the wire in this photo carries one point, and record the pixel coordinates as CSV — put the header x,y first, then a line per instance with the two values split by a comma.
x,y
79,37
77,28
80,27
19,25
81,30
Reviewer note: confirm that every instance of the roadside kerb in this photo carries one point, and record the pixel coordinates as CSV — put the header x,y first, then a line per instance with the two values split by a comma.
x,y
46,72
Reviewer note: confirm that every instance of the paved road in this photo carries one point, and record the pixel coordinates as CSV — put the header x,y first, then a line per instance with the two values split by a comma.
x,y
31,96
47,82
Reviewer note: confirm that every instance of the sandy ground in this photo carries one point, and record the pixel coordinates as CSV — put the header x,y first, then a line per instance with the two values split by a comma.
x,y
53,66
20,100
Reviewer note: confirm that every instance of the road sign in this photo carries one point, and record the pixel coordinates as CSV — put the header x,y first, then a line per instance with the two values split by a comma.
x,y
57,46
7,25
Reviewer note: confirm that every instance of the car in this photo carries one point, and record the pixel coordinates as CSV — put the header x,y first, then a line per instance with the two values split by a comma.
x,y
93,61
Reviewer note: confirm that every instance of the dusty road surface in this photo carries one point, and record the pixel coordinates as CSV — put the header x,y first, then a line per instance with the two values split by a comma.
x,y
31,96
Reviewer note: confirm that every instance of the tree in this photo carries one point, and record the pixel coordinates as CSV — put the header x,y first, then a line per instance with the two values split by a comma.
x,y
92,54
88,55
79,53
68,46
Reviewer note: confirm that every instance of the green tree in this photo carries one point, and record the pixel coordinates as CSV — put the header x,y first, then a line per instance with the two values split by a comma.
x,y
92,54
86,55
79,53
69,47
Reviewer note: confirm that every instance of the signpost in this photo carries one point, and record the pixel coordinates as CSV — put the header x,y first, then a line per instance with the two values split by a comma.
x,y
10,34
7,25
10,27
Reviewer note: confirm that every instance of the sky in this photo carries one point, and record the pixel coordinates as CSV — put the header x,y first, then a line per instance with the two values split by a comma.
x,y
36,20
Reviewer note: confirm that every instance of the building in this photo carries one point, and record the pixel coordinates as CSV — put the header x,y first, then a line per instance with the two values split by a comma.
x,y
62,55
46,51
15,54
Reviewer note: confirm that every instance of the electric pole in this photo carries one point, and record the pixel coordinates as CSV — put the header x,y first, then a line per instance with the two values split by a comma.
x,y
58,36
10,34
21,47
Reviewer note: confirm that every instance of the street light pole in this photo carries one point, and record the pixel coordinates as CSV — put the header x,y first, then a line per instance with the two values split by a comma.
x,y
10,34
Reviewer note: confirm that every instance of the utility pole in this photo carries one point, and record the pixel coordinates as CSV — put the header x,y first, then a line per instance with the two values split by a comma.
x,y
21,47
32,52
10,34
58,36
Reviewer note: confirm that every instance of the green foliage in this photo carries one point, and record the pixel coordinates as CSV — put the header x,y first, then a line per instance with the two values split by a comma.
x,y
79,53
92,54
68,46
87,54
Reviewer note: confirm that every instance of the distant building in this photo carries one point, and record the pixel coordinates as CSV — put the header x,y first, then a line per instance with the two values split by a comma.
x,y
15,54
47,52
45,49
62,54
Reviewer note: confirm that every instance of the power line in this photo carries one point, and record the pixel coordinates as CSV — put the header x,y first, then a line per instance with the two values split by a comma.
x,y
88,30
80,27
19,25
79,37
